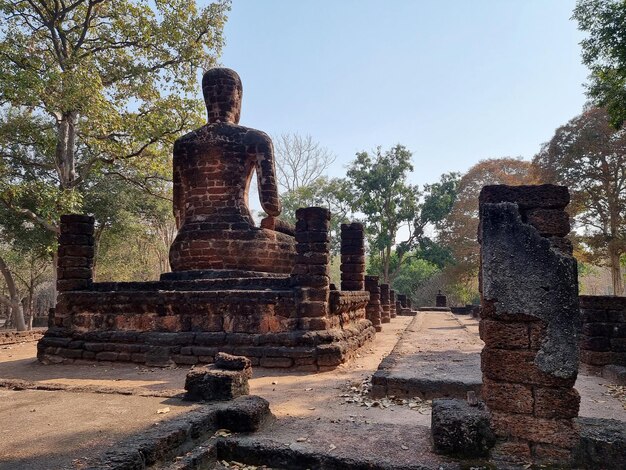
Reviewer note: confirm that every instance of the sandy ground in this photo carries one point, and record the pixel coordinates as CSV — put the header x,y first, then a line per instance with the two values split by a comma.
x,y
48,429
42,430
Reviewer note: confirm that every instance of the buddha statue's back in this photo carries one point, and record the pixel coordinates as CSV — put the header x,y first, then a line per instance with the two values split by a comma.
x,y
213,168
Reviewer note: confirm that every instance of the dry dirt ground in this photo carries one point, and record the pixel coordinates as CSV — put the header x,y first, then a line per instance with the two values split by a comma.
x,y
95,405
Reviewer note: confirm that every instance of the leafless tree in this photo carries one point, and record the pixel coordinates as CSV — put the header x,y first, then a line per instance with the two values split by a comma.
x,y
300,160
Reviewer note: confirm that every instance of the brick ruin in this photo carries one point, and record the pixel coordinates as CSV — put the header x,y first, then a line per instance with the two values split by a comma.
x,y
373,308
529,313
385,313
603,331
262,292
392,303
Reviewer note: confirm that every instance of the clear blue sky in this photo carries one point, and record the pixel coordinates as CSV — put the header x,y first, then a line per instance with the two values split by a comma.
x,y
454,81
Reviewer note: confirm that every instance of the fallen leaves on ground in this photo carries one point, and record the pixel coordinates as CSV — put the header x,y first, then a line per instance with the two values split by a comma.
x,y
222,433
358,393
162,411
242,466
619,392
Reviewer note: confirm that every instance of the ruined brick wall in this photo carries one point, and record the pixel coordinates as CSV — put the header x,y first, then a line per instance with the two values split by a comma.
x,y
392,303
373,308
603,328
352,257
529,312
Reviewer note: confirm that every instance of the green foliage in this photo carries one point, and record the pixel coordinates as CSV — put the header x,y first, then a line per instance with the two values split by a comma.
x,y
412,273
94,85
93,94
604,52
382,193
439,198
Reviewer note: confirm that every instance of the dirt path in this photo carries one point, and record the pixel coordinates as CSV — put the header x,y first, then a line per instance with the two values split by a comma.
x,y
436,356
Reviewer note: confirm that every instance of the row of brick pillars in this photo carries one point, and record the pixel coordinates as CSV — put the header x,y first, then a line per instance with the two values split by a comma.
x,y
382,305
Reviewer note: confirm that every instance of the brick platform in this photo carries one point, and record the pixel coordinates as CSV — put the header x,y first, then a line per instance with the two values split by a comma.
x,y
187,317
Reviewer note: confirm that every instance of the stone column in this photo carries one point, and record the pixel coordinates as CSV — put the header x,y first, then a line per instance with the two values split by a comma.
x,y
384,303
352,256
75,253
392,303
529,312
74,263
441,300
310,275
373,309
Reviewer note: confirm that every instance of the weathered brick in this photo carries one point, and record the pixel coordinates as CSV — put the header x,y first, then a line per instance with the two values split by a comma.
x,y
558,432
498,334
556,402
504,396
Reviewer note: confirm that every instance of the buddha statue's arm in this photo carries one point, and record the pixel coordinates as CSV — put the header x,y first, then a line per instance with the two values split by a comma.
x,y
178,189
266,174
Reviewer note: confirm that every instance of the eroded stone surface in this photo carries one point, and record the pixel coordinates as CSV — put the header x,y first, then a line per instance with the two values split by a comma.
x,y
460,429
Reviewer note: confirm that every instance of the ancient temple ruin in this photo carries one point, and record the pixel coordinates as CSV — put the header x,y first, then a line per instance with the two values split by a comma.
x,y
263,292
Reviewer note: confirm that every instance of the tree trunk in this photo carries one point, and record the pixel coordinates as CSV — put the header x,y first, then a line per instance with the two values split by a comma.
x,y
18,316
65,149
17,312
616,269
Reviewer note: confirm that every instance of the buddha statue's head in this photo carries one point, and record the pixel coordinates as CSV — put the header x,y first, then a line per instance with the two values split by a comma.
x,y
222,92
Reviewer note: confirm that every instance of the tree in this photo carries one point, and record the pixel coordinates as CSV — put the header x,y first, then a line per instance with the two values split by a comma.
x,y
25,250
300,160
458,230
604,52
91,85
381,192
589,155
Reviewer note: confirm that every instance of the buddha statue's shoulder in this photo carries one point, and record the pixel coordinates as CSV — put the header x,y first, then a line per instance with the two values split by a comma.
x,y
213,134
256,137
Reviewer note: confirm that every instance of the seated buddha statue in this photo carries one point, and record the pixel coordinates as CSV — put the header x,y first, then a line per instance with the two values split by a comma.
x,y
213,168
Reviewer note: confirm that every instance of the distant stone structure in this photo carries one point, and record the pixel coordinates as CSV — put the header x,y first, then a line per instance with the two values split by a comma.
x,y
392,303
441,300
213,167
260,292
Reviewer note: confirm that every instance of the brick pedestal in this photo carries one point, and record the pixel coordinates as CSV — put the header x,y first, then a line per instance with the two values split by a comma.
x,y
352,257
529,310
373,309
